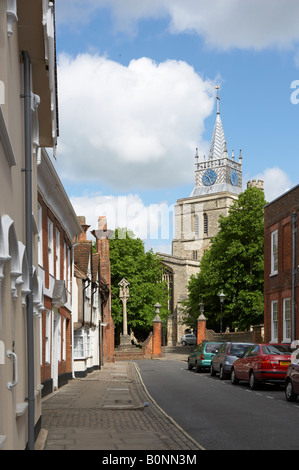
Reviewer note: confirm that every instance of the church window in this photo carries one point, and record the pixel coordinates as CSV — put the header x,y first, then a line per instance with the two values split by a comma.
x,y
196,225
195,254
205,224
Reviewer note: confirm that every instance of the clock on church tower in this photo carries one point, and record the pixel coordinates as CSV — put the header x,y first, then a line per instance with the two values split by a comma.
x,y
218,172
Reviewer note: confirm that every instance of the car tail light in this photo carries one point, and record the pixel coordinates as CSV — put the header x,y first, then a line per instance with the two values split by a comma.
x,y
268,364
274,363
202,357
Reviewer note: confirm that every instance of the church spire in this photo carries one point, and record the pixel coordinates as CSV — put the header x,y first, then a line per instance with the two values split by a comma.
x,y
218,143
218,99
219,173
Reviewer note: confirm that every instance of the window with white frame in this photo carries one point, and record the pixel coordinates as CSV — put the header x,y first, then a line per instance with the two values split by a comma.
x,y
64,339
69,269
287,319
274,321
40,339
59,338
83,343
40,235
274,252
48,337
57,254
51,247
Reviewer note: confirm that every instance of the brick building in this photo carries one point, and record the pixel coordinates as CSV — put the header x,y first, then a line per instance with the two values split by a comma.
x,y
281,287
102,235
93,324
57,226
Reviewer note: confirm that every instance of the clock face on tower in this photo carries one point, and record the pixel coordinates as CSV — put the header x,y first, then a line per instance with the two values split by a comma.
x,y
209,177
234,177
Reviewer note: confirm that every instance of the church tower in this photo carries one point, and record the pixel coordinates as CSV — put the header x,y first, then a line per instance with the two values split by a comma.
x,y
217,173
218,182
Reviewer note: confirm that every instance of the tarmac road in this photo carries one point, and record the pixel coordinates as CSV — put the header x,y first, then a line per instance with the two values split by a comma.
x,y
219,415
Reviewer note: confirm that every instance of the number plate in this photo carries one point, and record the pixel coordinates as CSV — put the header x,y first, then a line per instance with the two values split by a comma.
x,y
284,363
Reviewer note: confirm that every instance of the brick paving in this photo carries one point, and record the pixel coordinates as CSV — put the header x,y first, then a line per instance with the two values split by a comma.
x,y
109,410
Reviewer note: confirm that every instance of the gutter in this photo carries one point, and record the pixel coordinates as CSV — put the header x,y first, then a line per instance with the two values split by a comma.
x,y
28,214
294,271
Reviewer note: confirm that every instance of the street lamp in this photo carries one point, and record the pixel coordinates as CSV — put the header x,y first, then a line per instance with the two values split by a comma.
x,y
221,298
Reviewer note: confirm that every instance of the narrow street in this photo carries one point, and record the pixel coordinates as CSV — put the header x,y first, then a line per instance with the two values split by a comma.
x,y
219,415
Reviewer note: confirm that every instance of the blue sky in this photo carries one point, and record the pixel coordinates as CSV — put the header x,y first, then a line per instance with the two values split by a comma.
x,y
136,91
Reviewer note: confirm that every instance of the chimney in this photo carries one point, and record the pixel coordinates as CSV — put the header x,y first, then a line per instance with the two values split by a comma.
x,y
82,237
102,223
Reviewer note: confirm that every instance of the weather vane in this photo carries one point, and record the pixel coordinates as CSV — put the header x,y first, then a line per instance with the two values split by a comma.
x,y
217,87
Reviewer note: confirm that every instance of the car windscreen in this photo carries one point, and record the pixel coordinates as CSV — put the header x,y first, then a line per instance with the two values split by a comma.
x,y
276,349
212,346
237,349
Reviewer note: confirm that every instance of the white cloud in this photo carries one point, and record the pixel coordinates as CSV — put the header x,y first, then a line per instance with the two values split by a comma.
x,y
134,126
223,24
276,182
153,222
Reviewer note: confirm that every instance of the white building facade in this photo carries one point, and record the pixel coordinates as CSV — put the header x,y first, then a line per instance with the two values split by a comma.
x,y
28,121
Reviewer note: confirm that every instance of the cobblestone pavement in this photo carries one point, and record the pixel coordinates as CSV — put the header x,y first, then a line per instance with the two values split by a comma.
x,y
110,410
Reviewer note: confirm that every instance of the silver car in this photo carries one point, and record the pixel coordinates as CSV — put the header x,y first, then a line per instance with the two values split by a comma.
x,y
228,353
188,338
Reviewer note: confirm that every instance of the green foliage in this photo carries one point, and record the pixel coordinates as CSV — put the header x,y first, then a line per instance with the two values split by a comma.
x,y
234,264
143,270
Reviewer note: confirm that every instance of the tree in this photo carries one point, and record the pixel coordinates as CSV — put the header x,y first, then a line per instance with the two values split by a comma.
x,y
235,264
143,270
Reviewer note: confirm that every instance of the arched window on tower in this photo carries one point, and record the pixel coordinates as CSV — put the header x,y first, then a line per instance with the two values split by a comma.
x,y
196,226
205,224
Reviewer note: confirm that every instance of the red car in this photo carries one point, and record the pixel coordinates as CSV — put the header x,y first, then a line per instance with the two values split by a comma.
x,y
262,363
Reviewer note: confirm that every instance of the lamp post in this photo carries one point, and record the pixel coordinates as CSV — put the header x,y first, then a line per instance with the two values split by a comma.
x,y
221,298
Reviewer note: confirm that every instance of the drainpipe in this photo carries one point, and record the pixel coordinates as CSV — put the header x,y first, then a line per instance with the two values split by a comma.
x,y
28,205
84,289
294,270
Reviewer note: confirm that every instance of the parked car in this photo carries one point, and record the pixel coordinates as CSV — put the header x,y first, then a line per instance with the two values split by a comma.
x,y
226,356
262,363
188,338
202,355
292,378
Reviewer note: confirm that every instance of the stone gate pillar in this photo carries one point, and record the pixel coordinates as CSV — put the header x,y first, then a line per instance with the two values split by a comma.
x,y
201,328
157,333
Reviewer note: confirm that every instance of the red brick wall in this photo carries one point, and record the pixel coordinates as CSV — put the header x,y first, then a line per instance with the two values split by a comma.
x,y
277,216
108,331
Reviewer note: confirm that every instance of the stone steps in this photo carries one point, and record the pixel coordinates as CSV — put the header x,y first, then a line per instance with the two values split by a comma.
x,y
127,354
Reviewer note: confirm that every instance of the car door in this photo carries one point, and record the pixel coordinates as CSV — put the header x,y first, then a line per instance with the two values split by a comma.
x,y
218,358
251,362
193,355
243,365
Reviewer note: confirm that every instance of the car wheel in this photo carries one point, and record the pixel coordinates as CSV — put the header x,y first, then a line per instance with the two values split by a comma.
x,y
222,374
197,367
233,377
184,343
212,372
289,392
190,367
253,383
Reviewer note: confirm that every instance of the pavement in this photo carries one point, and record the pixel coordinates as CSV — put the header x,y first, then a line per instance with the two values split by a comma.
x,y
111,409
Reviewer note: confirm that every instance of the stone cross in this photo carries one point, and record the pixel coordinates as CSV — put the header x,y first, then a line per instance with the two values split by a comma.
x,y
124,295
